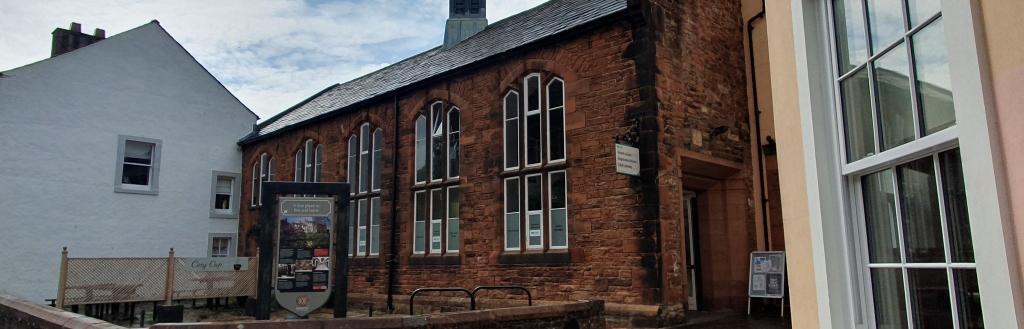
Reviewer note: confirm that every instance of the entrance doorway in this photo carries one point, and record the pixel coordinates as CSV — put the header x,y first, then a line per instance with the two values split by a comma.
x,y
692,254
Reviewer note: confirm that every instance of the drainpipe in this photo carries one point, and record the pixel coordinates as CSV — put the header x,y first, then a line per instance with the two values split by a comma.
x,y
757,126
393,255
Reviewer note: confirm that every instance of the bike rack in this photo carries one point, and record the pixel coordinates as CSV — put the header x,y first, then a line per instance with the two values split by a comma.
x,y
529,297
472,301
471,294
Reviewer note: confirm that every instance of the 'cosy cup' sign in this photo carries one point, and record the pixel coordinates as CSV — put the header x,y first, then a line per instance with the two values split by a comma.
x,y
216,264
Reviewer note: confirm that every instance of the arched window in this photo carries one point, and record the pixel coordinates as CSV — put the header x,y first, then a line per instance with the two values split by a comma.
x,y
300,167
262,171
365,150
308,162
436,207
531,221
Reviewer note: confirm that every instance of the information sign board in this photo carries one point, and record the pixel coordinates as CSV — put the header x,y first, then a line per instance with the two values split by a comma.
x,y
304,244
767,274
627,160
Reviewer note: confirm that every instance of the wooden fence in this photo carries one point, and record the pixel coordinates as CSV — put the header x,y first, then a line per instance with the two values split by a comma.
x,y
85,281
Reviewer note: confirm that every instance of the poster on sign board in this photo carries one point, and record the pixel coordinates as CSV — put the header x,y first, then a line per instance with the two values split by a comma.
x,y
767,274
304,247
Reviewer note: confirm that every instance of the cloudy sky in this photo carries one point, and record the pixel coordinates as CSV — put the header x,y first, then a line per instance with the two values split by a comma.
x,y
270,53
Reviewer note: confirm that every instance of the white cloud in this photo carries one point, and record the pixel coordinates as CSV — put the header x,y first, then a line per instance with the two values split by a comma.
x,y
270,53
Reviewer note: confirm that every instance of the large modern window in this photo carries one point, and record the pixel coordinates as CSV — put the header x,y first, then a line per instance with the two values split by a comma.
x,y
138,165
365,148
903,166
262,171
535,183
436,198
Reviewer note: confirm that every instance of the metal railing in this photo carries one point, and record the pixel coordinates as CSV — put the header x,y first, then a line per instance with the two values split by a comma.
x,y
471,294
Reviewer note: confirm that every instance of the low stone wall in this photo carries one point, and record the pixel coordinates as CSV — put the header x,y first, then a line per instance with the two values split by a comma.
x,y
584,315
16,313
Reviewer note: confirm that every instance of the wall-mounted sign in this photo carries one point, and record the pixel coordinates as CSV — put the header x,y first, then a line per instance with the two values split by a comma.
x,y
627,160
216,264
304,247
768,274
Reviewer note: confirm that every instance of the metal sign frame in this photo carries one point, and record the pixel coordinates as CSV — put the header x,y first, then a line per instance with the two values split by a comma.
x,y
267,227
764,267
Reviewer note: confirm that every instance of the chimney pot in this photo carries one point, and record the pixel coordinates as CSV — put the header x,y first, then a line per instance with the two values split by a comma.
x,y
75,27
65,41
100,34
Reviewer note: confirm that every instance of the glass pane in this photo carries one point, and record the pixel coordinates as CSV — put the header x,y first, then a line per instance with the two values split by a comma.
x,y
929,298
270,170
557,190
375,225
512,234
886,19
511,106
437,157
890,305
435,236
533,193
555,97
351,227
138,152
353,163
453,154
222,202
880,218
378,151
512,195
556,134
419,227
361,227
512,143
968,299
860,134
300,167
364,171
536,230
559,228
533,139
533,93
135,175
934,89
421,150
921,10
892,78
453,218
851,38
318,163
224,185
961,245
437,215
919,206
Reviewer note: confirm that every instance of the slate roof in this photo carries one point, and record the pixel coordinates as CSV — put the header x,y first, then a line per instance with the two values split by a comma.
x,y
546,20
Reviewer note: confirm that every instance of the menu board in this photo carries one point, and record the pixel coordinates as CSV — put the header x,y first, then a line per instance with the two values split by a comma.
x,y
767,274
304,253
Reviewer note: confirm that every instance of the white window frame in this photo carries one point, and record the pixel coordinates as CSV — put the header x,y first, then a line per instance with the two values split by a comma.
x,y
526,119
236,188
362,243
352,167
448,140
825,170
232,244
421,149
307,173
374,222
154,167
439,221
528,212
565,151
365,145
504,131
299,173
375,158
426,222
519,214
551,209
446,241
432,136
318,163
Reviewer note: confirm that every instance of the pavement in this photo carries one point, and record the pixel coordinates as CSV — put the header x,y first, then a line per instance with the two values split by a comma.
x,y
726,320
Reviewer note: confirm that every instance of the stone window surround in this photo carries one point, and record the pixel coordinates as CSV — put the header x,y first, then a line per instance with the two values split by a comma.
x,y
236,189
154,173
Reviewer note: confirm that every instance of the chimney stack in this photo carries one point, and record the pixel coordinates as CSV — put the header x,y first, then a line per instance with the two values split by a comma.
x,y
65,41
465,19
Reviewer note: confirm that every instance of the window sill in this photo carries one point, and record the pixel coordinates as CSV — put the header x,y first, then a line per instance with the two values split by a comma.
x,y
437,184
561,165
364,261
129,190
433,259
551,257
221,215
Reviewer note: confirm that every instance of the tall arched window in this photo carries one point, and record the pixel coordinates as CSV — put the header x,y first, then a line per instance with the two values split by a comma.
x,y
436,206
536,188
262,171
365,150
308,162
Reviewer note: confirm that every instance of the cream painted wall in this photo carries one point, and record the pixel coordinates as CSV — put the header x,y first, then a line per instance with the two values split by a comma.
x,y
1004,38
792,177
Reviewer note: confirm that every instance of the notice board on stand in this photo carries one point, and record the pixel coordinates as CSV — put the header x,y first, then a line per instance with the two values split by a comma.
x,y
767,274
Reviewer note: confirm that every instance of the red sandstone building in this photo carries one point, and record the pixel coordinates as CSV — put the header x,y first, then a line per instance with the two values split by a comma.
x,y
490,160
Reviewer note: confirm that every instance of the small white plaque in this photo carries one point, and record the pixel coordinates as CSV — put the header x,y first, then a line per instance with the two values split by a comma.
x,y
627,160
